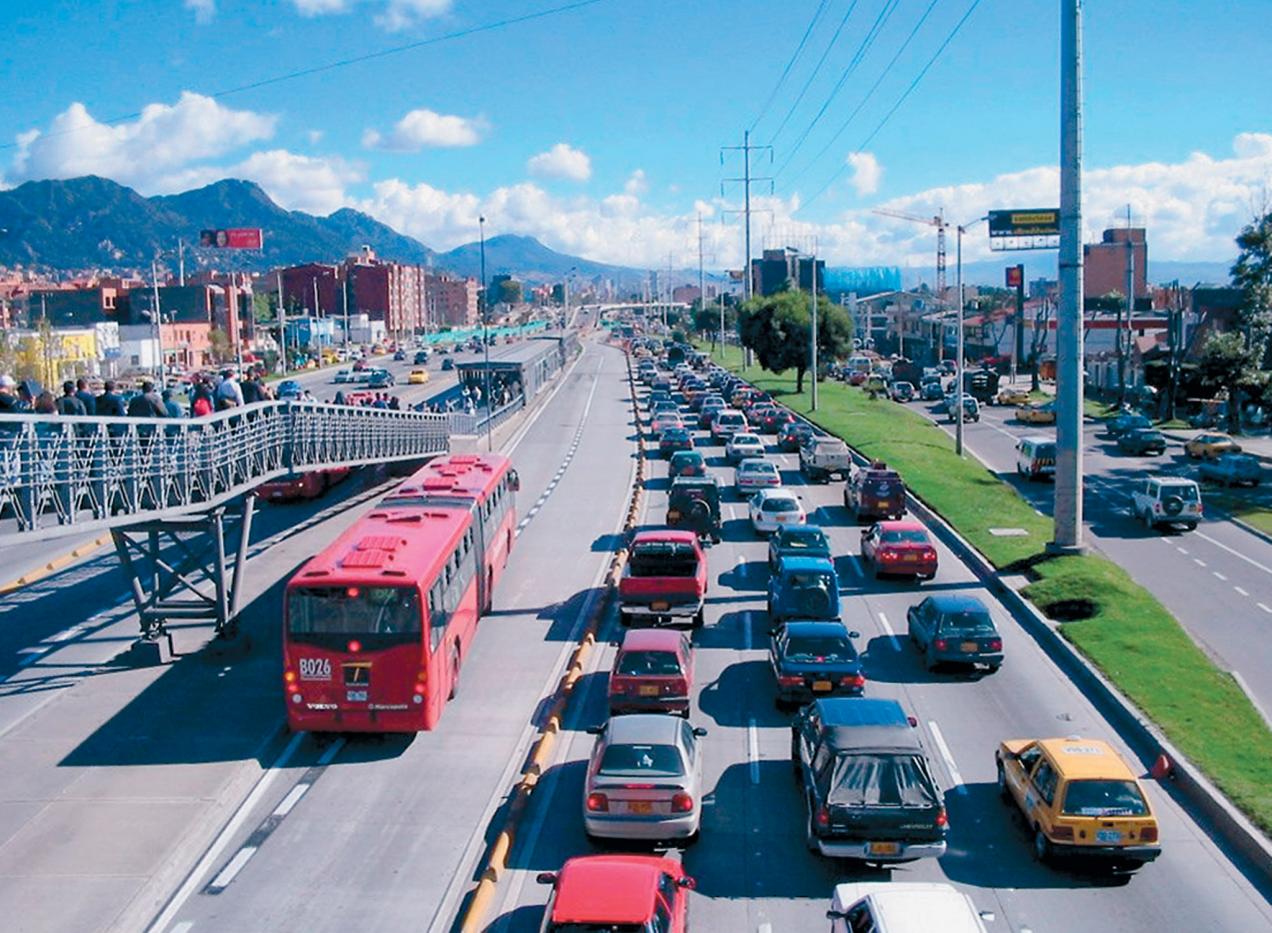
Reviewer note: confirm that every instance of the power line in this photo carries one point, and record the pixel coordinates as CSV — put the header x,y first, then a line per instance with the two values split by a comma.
x,y
870,93
880,21
901,100
816,68
821,7
355,60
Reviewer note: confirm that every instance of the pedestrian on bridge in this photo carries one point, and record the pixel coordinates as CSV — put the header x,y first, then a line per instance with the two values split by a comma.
x,y
228,393
85,396
148,404
69,403
170,405
10,404
109,404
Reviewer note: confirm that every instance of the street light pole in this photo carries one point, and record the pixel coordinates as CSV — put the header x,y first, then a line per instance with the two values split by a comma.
x,y
813,334
485,337
154,284
958,348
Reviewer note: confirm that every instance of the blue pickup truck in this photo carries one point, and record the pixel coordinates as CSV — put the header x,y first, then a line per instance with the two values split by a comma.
x,y
803,588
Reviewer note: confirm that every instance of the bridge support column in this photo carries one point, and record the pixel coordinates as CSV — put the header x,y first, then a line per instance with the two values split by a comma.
x,y
186,569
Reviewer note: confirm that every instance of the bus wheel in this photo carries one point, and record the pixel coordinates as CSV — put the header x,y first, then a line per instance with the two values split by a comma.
x,y
454,690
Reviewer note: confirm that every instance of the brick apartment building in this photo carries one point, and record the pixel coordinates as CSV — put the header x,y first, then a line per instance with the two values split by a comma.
x,y
1106,261
451,301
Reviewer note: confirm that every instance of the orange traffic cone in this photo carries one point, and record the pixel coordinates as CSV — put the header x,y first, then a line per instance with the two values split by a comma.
x,y
1162,768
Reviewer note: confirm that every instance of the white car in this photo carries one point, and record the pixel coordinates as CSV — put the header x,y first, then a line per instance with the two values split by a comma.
x,y
742,445
771,509
931,907
754,474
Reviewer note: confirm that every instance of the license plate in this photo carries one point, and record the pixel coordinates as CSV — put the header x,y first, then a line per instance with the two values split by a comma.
x,y
970,647
821,686
660,606
649,691
1108,836
356,696
640,806
910,557
673,514
883,848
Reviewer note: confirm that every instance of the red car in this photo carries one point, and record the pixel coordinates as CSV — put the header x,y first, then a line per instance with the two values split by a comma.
x,y
618,892
309,485
653,673
899,548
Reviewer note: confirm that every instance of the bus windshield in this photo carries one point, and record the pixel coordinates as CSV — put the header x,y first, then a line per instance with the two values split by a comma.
x,y
354,610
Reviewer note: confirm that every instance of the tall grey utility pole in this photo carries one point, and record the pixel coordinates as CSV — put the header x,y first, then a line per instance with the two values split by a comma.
x,y
702,288
1069,389
813,334
747,178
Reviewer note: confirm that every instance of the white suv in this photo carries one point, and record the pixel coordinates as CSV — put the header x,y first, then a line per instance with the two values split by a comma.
x,y
1163,501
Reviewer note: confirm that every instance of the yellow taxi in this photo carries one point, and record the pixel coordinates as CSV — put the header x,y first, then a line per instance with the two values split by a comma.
x,y
418,377
1080,800
1010,396
1044,413
1210,446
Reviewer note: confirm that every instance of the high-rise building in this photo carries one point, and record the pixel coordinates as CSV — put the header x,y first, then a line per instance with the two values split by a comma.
x,y
1105,263
771,273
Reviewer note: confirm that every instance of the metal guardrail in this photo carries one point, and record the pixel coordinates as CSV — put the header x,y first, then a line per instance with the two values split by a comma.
x,y
61,475
465,423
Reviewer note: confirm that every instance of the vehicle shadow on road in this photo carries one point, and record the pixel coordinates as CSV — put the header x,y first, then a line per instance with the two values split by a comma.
x,y
737,529
742,692
608,543
734,630
657,484
566,839
886,664
746,575
564,615
524,919
989,847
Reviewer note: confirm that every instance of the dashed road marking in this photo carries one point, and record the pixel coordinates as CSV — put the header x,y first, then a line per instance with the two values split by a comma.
x,y
1264,607
1249,560
753,750
955,776
1241,591
887,628
1219,575
1199,562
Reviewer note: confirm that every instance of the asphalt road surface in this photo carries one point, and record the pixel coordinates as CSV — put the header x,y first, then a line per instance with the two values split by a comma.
x,y
1217,580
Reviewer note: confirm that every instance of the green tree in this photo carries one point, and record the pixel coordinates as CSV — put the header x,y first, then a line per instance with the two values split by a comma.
x,y
1252,273
219,345
508,291
1227,363
776,328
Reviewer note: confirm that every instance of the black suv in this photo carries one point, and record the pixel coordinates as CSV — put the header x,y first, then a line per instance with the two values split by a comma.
x,y
867,784
694,504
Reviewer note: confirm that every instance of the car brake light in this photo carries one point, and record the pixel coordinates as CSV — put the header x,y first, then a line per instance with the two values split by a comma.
x,y
682,803
853,680
823,816
790,680
996,644
929,554
942,818
1148,834
940,644
678,687
355,646
597,803
1062,832
888,555
1199,509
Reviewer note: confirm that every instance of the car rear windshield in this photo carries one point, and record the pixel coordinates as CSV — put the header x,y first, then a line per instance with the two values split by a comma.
x,y
1044,451
354,610
810,581
882,780
820,648
642,760
880,485
803,540
664,559
974,622
1185,491
1104,798
906,536
758,466
648,664
730,420
780,505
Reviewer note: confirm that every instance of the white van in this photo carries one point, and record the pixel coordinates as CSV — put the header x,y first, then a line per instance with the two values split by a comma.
x,y
1036,457
904,907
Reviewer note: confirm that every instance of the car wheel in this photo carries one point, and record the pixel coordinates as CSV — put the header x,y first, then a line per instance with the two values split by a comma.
x,y
1041,846
810,837
1002,782
454,690
930,664
1191,526
624,619
878,574
691,839
1147,519
993,668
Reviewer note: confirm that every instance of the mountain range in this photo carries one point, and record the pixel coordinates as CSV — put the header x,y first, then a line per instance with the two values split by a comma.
x,y
95,223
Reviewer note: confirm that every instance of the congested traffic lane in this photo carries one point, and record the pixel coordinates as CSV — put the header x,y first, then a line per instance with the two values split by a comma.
x,y
388,836
752,867
1217,580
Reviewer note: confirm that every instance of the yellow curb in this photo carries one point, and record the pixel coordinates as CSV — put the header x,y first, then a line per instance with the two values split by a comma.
x,y
55,564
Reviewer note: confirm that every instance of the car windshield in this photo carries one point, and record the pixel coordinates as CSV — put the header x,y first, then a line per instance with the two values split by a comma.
x,y
663,559
905,536
882,781
820,648
780,505
973,622
804,541
648,664
642,761
1185,491
1104,798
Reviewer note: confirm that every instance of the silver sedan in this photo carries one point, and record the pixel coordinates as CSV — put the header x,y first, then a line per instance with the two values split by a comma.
x,y
644,780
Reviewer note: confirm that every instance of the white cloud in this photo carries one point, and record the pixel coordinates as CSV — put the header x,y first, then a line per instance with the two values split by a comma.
x,y
314,184
314,137
866,172
393,15
637,183
204,10
423,127
561,161
163,138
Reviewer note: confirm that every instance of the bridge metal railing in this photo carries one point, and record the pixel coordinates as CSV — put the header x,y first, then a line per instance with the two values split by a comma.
x,y
61,475
478,422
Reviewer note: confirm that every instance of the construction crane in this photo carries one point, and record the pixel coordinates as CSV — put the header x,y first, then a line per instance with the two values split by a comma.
x,y
941,225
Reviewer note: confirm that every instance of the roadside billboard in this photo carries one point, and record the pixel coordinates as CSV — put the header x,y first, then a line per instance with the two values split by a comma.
x,y
232,238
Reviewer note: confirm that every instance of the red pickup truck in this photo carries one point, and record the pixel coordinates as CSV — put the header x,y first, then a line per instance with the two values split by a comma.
x,y
665,579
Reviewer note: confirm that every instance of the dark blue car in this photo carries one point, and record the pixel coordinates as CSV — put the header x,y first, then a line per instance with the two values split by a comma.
x,y
815,659
955,629
803,588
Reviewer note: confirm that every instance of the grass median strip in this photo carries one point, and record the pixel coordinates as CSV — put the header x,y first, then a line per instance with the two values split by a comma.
x,y
1112,620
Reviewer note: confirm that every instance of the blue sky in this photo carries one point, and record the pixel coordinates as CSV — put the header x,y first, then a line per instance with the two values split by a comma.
x,y
599,129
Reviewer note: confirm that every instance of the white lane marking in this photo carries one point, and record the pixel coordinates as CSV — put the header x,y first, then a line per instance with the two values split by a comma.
x,y
1264,607
853,566
1241,591
1177,547
892,636
223,839
733,512
1199,562
292,798
765,927
230,871
1219,544
746,630
955,776
185,926
1219,575
753,750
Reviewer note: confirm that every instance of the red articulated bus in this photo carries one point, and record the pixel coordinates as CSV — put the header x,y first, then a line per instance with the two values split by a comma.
x,y
377,625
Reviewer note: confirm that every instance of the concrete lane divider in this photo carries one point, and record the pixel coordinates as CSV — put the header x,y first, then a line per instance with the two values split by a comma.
x,y
494,865
54,565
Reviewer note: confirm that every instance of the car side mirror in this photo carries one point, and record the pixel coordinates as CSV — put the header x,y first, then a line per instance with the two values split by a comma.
x,y
854,634
699,731
691,883
774,629
595,730
514,481
546,877
914,723
836,915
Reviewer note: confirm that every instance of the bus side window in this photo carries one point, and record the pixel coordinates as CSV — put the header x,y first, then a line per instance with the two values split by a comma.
x,y
438,614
